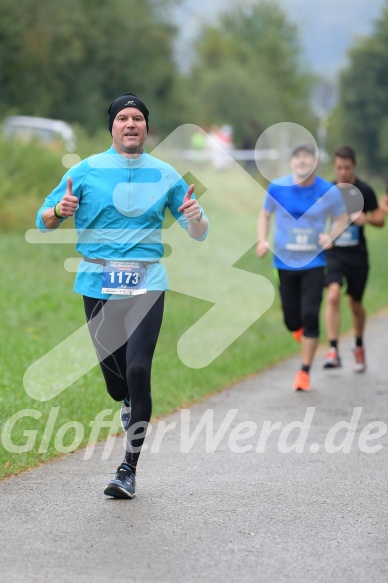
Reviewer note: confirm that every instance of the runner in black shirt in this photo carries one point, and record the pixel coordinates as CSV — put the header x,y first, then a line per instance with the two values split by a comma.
x,y
348,259
384,203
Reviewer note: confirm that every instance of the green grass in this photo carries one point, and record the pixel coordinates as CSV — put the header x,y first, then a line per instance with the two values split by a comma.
x,y
38,309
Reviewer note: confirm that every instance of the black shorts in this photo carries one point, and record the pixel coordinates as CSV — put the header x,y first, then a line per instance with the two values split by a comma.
x,y
301,295
352,267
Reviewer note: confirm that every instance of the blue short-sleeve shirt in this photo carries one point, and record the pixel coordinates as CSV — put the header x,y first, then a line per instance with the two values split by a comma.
x,y
301,214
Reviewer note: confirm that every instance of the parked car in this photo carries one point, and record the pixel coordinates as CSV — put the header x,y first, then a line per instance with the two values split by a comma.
x,y
52,132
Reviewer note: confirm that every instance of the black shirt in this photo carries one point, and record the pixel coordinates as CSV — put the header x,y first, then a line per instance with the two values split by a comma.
x,y
351,196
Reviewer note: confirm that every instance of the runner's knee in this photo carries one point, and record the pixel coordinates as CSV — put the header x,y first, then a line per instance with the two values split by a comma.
x,y
118,393
311,323
138,378
311,332
334,295
292,322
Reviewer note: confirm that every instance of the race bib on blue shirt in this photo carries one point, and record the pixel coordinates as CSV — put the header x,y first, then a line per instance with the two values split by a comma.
x,y
124,277
301,239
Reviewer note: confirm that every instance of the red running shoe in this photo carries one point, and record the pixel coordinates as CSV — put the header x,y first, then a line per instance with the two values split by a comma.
x,y
359,364
332,359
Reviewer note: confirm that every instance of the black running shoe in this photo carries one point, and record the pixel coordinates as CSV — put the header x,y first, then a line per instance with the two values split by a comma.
x,y
126,413
123,485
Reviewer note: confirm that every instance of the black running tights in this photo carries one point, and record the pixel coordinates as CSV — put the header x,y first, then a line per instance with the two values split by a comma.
x,y
124,333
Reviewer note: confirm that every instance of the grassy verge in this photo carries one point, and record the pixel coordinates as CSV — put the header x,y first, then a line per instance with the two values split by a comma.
x,y
38,310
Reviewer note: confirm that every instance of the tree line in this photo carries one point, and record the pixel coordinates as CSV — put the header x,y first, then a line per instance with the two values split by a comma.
x,y
70,59
361,116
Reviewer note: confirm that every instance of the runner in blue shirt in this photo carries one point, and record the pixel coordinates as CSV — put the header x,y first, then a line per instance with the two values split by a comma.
x,y
302,203
118,199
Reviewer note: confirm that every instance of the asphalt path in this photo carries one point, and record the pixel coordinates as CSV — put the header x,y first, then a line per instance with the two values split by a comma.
x,y
255,484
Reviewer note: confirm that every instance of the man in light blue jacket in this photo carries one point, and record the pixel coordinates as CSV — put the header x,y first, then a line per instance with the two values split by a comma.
x,y
118,199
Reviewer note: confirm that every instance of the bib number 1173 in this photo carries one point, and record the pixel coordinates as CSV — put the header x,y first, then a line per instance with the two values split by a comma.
x,y
124,277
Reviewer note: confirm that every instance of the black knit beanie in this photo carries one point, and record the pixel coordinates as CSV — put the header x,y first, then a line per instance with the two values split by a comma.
x,y
126,100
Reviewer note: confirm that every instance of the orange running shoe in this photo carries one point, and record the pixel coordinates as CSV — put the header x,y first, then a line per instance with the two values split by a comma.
x,y
302,381
298,334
